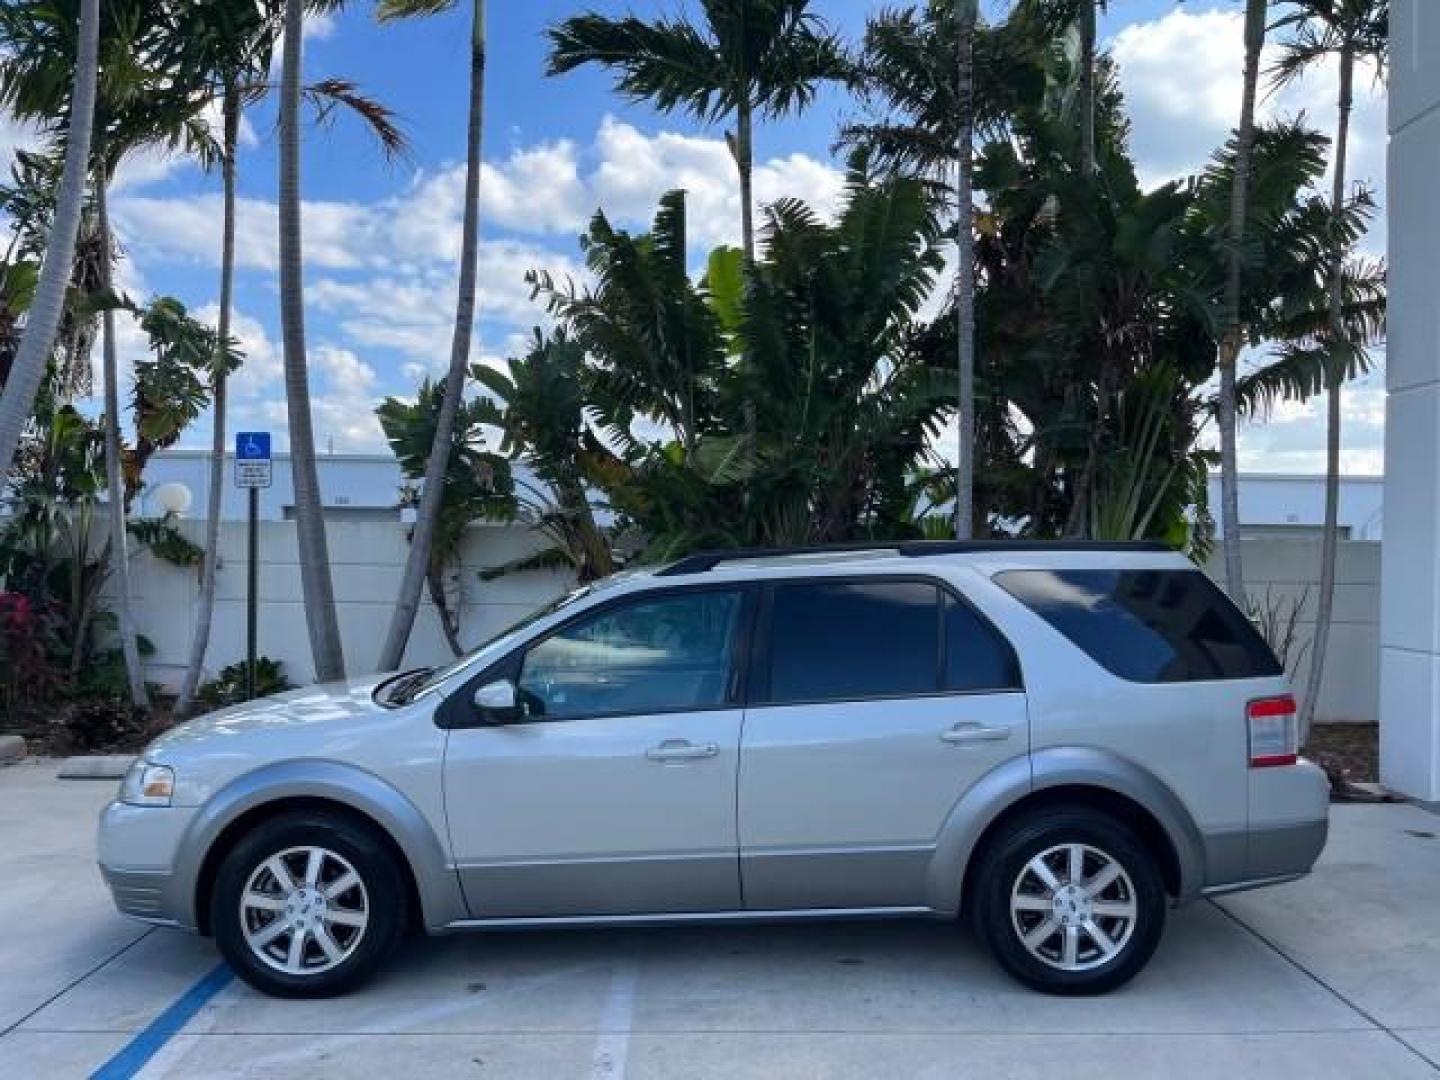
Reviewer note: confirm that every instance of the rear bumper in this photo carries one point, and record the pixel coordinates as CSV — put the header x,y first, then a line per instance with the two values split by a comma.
x,y
1289,824
1275,856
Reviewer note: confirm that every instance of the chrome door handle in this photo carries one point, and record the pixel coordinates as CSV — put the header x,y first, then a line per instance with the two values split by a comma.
x,y
680,750
961,734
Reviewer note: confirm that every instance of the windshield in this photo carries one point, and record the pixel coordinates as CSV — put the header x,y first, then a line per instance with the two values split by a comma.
x,y
410,686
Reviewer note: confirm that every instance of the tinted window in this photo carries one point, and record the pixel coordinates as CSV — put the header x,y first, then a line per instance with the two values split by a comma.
x,y
670,652
1147,625
976,656
846,640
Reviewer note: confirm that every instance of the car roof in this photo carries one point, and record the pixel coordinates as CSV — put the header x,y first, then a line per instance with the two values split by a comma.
x,y
989,556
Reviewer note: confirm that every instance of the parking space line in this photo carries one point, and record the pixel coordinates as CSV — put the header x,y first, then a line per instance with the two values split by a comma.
x,y
132,1057
77,981
1319,981
613,1044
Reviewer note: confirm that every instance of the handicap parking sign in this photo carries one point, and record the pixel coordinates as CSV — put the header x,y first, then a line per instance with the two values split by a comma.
x,y
253,467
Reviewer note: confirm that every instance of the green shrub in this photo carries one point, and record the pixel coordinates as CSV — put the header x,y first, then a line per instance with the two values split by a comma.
x,y
228,688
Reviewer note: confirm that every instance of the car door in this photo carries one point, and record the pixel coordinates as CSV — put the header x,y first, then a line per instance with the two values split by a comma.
x,y
877,704
612,791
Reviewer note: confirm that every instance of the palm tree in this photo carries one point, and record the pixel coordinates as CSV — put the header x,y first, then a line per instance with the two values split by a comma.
x,y
427,520
1354,31
748,57
477,485
43,319
233,42
965,17
315,581
1228,353
142,101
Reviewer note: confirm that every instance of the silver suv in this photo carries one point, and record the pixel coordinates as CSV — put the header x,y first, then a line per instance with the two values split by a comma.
x,y
1056,741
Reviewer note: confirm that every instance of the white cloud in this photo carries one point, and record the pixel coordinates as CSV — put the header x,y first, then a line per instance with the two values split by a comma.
x,y
1181,75
539,190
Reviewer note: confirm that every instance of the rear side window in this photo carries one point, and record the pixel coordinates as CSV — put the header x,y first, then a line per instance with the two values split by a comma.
x,y
851,640
977,658
1149,626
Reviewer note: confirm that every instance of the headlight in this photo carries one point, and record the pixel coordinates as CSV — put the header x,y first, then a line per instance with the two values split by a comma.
x,y
148,785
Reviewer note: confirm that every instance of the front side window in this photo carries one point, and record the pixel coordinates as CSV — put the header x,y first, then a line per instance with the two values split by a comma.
x,y
832,641
655,654
1149,626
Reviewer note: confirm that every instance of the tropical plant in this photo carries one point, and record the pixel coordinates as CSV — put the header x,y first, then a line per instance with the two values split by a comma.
x,y
432,497
231,685
25,371
143,102
745,57
476,485
1355,31
539,407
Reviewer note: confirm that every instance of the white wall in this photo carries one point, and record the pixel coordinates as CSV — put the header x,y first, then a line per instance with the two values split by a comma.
x,y
1350,690
1295,501
366,561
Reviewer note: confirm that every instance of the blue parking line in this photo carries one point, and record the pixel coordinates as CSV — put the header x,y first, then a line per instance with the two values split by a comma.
x,y
132,1057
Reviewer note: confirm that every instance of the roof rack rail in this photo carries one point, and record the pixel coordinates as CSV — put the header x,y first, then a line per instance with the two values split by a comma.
x,y
914,549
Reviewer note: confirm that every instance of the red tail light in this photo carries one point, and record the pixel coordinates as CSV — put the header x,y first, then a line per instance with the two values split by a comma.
x,y
1273,731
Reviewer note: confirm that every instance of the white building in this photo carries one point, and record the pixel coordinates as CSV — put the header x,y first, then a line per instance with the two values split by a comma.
x,y
1410,567
1293,505
366,487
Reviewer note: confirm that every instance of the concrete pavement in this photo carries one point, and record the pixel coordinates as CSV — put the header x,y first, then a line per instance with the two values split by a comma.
x,y
1335,976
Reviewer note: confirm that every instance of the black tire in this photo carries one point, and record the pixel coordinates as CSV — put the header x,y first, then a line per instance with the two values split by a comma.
x,y
999,876
385,899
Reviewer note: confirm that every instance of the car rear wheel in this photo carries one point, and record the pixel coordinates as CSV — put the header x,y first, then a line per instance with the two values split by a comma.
x,y
308,905
1070,901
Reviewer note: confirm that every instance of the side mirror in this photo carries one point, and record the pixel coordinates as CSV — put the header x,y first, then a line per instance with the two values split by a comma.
x,y
497,702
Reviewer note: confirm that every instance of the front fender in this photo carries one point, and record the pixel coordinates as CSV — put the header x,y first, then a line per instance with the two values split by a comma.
x,y
436,882
1061,766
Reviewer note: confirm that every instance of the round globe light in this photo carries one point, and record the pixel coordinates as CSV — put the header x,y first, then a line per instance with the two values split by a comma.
x,y
173,498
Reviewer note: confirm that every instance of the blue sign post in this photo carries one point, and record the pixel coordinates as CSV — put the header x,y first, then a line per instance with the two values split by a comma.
x,y
254,470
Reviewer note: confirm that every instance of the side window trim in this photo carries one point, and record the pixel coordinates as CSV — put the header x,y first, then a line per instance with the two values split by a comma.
x,y
455,713
761,654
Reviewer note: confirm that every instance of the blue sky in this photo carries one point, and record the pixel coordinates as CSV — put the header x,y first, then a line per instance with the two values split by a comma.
x,y
382,237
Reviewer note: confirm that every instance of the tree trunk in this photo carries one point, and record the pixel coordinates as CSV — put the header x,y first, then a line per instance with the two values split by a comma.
x,y
114,472
205,614
432,495
1335,379
435,579
315,583
43,319
1087,84
965,11
1230,341
745,164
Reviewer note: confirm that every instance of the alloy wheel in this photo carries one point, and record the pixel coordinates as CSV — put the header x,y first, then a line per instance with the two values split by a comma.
x,y
1073,907
304,910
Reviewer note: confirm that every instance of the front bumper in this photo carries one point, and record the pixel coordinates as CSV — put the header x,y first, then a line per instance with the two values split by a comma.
x,y
138,848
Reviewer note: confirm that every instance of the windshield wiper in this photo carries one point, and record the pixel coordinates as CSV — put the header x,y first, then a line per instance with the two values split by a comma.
x,y
397,690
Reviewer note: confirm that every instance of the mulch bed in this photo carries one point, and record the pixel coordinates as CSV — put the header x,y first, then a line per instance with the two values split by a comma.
x,y
1349,754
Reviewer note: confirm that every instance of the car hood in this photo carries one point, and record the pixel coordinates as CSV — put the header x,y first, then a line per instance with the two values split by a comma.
x,y
327,704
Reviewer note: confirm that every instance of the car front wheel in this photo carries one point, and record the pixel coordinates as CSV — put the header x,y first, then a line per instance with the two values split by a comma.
x,y
308,905
1070,901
